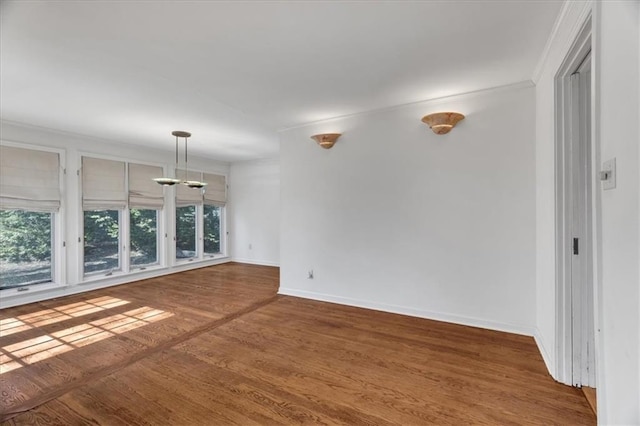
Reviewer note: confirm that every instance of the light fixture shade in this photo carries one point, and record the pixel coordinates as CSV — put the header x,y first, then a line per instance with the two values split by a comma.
x,y
326,140
166,181
194,184
442,122
181,134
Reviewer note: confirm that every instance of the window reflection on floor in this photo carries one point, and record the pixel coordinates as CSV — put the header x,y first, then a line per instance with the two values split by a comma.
x,y
46,346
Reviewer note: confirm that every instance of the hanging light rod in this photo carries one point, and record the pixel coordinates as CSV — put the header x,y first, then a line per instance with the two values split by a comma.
x,y
169,181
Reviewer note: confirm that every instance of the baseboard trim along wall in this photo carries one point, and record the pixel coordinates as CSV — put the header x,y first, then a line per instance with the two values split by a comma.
x,y
255,262
403,310
545,353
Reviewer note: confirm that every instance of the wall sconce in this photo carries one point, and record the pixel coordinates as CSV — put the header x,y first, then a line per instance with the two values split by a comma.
x,y
442,122
326,140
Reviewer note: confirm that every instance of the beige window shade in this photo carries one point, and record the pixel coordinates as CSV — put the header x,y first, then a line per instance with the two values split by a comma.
x,y
216,189
103,184
186,196
144,193
29,179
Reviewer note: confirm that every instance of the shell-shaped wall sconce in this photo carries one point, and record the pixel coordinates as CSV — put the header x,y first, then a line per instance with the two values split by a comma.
x,y
442,122
326,140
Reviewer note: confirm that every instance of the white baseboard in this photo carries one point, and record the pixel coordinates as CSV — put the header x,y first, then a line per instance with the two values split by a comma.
x,y
546,357
413,312
255,262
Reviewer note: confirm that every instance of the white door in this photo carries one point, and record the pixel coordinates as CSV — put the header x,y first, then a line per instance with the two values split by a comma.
x,y
579,224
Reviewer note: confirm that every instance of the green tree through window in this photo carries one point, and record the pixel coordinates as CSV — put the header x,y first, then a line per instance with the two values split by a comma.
x,y
101,240
186,232
143,236
25,248
211,229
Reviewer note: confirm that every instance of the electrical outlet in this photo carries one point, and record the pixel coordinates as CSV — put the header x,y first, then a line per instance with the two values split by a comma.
x,y
310,276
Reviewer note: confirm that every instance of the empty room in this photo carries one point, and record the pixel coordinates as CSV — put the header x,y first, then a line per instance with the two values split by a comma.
x,y
319,212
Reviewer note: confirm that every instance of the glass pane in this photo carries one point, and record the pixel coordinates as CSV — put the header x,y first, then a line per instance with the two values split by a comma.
x,y
143,237
25,248
186,232
101,241
211,229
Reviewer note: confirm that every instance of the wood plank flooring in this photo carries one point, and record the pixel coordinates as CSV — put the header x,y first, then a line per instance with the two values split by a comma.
x,y
590,394
216,346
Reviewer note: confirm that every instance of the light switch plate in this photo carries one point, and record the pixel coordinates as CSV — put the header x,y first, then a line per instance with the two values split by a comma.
x,y
609,166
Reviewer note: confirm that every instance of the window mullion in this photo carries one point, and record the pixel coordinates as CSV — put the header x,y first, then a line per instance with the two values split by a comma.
x,y
125,241
200,231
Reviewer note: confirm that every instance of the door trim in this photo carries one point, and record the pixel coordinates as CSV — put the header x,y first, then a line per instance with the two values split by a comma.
x,y
580,48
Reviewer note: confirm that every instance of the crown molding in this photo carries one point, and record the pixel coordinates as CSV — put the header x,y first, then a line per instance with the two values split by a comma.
x,y
452,97
581,8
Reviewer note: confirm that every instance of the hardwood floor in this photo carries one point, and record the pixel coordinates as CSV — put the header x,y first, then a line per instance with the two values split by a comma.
x,y
217,346
590,394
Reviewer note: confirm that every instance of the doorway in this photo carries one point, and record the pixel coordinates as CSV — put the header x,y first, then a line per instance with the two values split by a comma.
x,y
579,223
575,336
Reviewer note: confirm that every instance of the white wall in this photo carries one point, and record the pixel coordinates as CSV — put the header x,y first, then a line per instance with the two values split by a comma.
x,y
396,218
73,147
618,82
254,220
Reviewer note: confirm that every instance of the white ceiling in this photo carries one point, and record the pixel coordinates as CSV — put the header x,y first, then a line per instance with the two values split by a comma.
x,y
233,73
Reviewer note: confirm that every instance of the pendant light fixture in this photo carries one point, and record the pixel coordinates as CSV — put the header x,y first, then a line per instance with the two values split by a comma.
x,y
169,181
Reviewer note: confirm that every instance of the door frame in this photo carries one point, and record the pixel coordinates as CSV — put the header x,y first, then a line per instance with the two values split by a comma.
x,y
580,48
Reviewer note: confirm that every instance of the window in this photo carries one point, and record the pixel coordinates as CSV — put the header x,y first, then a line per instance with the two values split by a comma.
x,y
215,197
104,198
146,200
186,232
101,241
199,216
118,197
211,229
30,200
26,245
143,237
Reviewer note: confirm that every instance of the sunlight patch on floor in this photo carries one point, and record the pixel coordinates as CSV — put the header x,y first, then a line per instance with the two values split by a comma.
x,y
24,322
46,346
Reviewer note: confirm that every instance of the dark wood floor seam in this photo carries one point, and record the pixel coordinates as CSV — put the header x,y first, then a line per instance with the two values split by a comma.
x,y
58,392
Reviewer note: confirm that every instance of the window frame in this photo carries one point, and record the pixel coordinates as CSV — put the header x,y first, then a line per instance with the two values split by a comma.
x,y
198,235
124,237
121,266
158,262
223,232
201,256
58,230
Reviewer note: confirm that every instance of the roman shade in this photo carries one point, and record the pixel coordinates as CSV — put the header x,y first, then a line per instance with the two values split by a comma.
x,y
144,193
103,184
186,196
29,179
216,189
